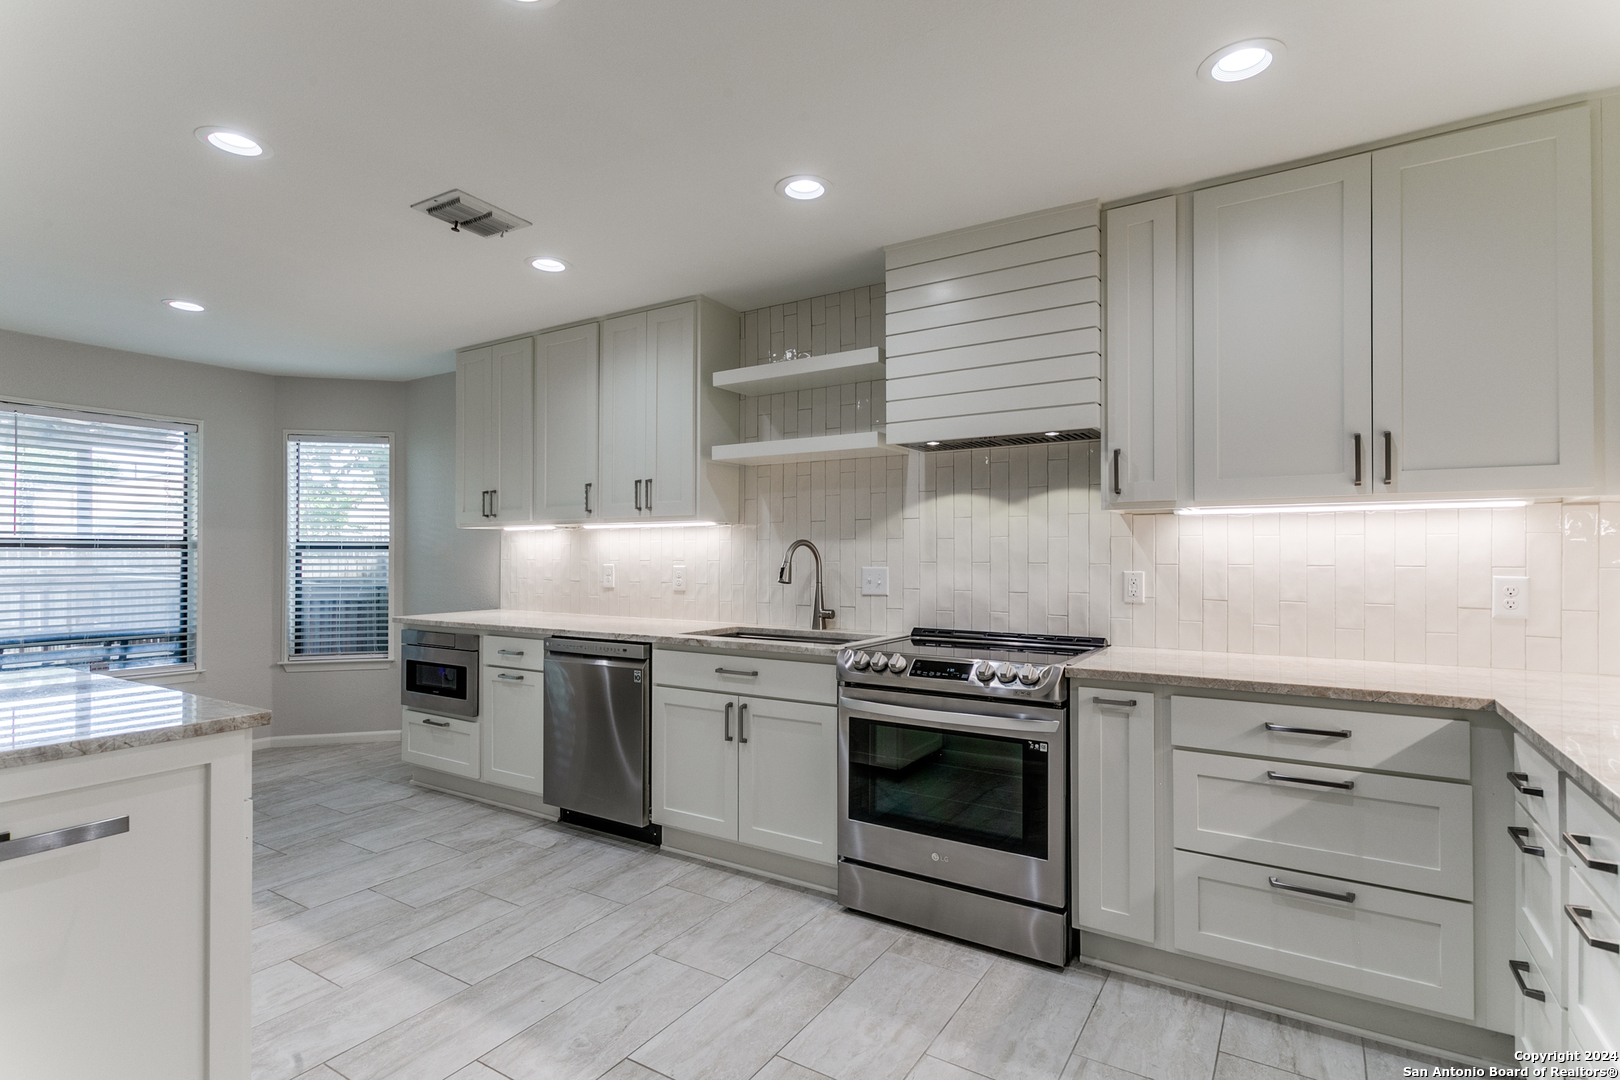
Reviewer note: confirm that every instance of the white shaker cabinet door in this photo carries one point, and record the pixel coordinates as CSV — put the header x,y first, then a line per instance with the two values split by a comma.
x,y
671,490
513,740
1114,832
513,499
565,404
1482,266
695,761
1282,334
477,432
625,419
1143,443
787,797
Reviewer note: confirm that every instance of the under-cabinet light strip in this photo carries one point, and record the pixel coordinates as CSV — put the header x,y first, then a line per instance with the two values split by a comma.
x,y
649,524
1342,508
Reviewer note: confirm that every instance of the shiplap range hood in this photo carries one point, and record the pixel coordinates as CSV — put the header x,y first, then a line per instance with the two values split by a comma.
x,y
994,334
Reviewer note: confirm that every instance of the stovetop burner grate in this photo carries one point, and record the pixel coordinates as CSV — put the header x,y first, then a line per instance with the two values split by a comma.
x,y
1060,644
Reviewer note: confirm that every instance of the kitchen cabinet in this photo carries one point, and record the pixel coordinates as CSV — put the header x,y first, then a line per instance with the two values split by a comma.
x,y
1482,313
628,383
695,761
1143,446
495,434
565,419
512,735
1592,968
448,744
1115,886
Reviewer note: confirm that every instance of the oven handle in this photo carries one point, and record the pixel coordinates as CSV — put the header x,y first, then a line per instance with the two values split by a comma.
x,y
964,721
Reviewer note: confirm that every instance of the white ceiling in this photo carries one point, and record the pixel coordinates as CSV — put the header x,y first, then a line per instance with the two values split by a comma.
x,y
644,139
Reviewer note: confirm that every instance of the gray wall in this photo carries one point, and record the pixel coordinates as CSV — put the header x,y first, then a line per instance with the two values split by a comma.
x,y
446,568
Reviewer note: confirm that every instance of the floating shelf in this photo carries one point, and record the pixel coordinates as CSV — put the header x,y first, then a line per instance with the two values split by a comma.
x,y
857,444
855,365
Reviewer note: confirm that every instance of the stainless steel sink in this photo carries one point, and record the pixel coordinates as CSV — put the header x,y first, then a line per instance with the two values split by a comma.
x,y
776,633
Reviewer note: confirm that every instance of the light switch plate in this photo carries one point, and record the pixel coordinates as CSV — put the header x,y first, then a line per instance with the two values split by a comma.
x,y
874,581
607,575
1133,586
1510,597
680,577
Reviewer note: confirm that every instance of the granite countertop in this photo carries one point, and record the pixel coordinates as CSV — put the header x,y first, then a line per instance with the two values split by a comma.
x,y
54,713
676,632
1573,720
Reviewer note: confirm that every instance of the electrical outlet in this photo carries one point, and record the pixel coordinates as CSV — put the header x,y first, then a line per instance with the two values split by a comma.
x,y
1510,597
680,577
874,581
1133,583
607,575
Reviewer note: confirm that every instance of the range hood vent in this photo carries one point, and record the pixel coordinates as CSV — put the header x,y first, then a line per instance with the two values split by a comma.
x,y
940,445
468,214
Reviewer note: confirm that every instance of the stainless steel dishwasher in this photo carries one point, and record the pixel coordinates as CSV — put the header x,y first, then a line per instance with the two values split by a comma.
x,y
598,735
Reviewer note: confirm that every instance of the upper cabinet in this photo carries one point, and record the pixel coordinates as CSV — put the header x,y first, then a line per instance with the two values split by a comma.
x,y
495,434
565,400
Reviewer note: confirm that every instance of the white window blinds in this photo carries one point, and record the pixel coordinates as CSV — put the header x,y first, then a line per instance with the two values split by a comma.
x,y
338,535
97,540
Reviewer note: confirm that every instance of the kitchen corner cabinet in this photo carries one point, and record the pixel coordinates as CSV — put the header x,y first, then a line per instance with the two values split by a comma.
x,y
1143,446
495,434
1115,842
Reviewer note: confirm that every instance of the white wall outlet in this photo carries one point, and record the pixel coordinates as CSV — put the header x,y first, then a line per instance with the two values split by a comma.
x,y
680,577
874,581
1510,597
607,575
1133,585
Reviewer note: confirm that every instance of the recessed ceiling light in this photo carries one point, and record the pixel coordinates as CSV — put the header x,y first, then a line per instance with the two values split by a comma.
x,y
1241,60
546,262
538,3
232,142
1051,434
184,305
933,442
802,187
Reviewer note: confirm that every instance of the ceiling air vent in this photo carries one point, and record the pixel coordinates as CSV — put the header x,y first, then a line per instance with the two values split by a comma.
x,y
467,214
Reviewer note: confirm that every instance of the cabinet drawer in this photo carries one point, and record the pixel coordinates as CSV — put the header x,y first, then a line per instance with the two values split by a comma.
x,y
1355,740
514,652
1536,888
440,742
1592,970
729,673
1535,783
1595,861
1540,1024
1392,946
1393,830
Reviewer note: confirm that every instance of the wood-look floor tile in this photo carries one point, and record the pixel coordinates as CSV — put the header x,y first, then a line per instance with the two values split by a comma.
x,y
364,794
1292,1046
476,1071
718,883
532,881
932,1068
479,832
629,883
614,942
484,950
1385,1060
943,952
268,907
410,825
286,828
460,871
283,988
385,943
741,932
1021,1021
310,929
324,887
1228,1067
780,1068
1186,1030
306,859
1083,1068
840,941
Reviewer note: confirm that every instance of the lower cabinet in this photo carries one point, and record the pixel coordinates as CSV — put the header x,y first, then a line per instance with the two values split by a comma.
x,y
513,734
1538,1016
1114,837
1592,967
749,769
446,743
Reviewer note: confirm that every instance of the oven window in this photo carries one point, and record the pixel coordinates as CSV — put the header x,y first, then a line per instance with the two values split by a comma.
x,y
976,789
440,680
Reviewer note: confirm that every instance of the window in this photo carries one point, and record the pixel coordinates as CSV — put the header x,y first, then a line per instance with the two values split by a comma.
x,y
98,540
338,534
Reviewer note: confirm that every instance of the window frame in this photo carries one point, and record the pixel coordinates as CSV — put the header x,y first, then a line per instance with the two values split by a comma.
x,y
287,661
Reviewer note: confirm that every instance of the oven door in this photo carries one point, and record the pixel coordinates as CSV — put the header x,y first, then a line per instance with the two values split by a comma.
x,y
440,680
969,798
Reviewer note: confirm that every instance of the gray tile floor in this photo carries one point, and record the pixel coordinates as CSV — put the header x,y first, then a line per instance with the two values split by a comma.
x,y
406,934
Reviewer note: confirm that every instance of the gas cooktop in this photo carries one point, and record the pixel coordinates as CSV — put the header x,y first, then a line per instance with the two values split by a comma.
x,y
972,662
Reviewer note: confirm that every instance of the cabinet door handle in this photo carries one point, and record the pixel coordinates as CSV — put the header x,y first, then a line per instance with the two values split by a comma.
x,y
1578,915
1118,703
514,678
638,494
1342,897
1356,442
734,671
435,723
1342,785
1116,471
1521,784
1389,457
60,838
510,652
1578,843
729,706
1325,733
649,493
1519,967
587,498
1520,834
483,508
742,723
494,502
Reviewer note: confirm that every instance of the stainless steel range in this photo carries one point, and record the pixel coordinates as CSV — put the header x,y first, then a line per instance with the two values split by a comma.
x,y
953,785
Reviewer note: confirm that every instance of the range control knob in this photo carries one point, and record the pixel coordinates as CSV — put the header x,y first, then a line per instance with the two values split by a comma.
x,y
984,671
1029,675
846,656
860,661
1006,673
880,662
897,664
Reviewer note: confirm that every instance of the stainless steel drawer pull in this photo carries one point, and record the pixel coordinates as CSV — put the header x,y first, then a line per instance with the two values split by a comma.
x,y
729,706
1118,703
1342,785
1578,843
1389,458
1342,897
1116,473
649,493
1325,733
1519,968
510,652
436,723
638,494
742,723
60,838
1356,440
1578,915
1521,784
514,678
1520,834
734,671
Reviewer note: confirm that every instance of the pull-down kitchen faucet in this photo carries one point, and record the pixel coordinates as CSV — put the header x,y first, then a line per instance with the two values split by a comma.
x,y
820,614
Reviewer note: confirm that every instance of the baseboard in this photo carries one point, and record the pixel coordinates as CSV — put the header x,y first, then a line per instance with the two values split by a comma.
x,y
330,738
811,875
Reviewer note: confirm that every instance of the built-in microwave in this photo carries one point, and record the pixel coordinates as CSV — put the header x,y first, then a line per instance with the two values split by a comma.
x,y
440,672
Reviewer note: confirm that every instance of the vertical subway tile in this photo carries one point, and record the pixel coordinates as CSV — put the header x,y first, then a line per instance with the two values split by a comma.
x,y
1580,642
1474,637
1320,593
1544,565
